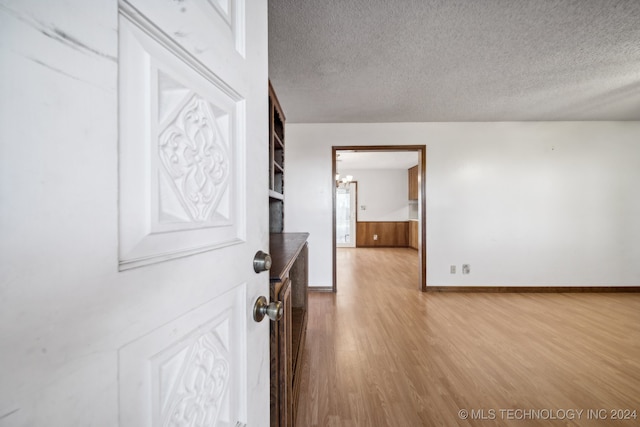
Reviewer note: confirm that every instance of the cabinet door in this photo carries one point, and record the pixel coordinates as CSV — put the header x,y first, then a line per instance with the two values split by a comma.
x,y
281,371
286,415
413,234
413,183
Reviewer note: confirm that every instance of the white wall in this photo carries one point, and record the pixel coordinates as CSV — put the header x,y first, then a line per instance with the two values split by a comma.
x,y
535,203
383,193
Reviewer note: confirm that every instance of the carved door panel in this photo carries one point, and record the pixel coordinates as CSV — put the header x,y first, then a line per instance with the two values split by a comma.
x,y
190,99
130,229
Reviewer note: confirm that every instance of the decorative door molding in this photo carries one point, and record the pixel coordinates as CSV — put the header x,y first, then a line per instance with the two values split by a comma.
x,y
182,135
190,371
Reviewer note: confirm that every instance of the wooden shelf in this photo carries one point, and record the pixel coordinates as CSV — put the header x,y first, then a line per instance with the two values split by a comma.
x,y
276,195
276,163
278,140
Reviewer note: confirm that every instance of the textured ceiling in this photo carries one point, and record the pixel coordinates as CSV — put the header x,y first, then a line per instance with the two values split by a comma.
x,y
455,60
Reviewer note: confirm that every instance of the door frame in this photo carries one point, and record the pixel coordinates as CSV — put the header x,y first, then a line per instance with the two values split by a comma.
x,y
422,204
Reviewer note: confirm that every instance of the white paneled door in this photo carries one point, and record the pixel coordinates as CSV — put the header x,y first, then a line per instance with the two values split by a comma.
x,y
133,172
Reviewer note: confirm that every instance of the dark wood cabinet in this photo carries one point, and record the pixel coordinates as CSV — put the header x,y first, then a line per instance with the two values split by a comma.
x,y
414,183
413,234
289,283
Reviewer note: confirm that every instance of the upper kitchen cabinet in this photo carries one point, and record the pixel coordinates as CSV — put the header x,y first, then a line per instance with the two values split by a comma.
x,y
413,183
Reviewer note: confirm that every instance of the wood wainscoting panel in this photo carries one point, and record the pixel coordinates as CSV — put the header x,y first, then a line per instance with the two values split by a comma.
x,y
389,234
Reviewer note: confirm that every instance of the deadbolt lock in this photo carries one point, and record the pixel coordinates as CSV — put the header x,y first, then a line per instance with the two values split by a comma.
x,y
261,262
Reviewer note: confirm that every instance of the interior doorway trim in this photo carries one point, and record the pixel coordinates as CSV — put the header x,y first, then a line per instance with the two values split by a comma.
x,y
422,223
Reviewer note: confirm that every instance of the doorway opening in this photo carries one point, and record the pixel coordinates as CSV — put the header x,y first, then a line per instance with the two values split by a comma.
x,y
349,211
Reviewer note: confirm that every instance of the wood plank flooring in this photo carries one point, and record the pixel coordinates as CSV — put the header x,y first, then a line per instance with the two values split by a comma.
x,y
381,353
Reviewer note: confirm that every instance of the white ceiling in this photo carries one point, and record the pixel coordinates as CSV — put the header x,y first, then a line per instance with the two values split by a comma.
x,y
352,160
455,60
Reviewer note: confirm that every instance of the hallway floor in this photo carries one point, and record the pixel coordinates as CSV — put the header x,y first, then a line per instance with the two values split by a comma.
x,y
381,353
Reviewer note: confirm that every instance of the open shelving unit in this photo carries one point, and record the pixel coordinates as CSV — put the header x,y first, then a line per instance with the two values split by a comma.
x,y
276,164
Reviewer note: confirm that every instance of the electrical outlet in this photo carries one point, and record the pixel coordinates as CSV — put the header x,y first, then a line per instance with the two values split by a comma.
x,y
375,237
466,269
453,269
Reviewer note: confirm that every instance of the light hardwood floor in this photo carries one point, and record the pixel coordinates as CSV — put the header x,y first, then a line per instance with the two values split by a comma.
x,y
381,353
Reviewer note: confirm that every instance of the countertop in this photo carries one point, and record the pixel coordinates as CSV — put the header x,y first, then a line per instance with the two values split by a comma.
x,y
284,249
